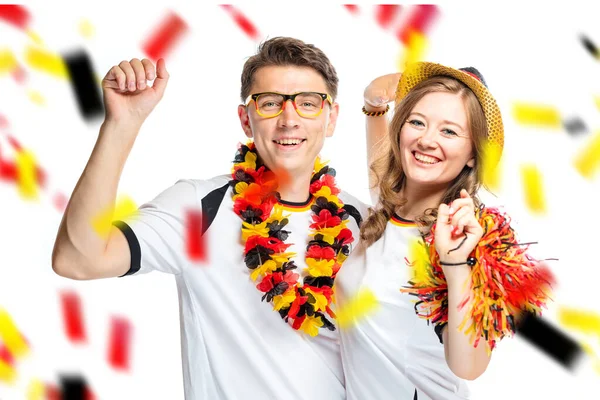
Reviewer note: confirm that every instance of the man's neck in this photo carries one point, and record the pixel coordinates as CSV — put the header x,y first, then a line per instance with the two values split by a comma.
x,y
419,199
295,187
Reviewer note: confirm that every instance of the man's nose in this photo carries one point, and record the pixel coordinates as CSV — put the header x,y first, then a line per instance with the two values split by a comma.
x,y
289,118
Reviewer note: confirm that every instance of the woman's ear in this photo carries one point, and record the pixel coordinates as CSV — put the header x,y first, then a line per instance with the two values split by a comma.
x,y
471,162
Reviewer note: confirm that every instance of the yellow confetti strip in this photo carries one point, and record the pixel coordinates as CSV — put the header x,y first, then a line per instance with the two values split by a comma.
x,y
420,260
597,100
86,29
36,97
26,178
579,320
414,51
533,189
10,335
8,62
357,308
36,390
541,115
45,61
587,160
35,37
102,223
7,373
491,166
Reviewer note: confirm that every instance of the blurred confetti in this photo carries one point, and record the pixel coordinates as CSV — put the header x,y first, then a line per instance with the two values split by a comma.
x,y
43,60
587,160
164,38
36,97
356,308
549,339
83,82
386,13
414,51
533,188
583,321
196,249
86,29
242,22
419,21
491,166
72,316
8,62
352,8
26,175
74,387
575,125
124,208
36,390
590,46
119,343
537,115
16,15
11,337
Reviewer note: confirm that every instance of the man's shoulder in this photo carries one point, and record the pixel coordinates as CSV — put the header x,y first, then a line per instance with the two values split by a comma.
x,y
353,201
205,187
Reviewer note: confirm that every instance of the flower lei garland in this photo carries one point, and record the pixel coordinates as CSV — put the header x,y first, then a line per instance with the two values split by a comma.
x,y
504,282
255,202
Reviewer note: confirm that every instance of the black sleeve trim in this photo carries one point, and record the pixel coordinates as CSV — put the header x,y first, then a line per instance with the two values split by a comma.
x,y
134,247
438,331
353,213
210,206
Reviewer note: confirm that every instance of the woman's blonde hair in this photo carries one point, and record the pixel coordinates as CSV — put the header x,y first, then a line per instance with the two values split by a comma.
x,y
386,170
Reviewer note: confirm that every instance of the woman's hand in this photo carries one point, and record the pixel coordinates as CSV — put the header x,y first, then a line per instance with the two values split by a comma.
x,y
381,91
454,222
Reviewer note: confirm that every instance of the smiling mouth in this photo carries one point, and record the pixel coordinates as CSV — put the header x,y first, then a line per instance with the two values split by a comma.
x,y
422,158
289,142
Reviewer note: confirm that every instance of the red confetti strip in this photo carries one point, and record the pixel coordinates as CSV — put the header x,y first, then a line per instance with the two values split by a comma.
x,y
164,38
60,201
420,21
72,316
119,343
242,21
196,248
14,143
3,122
15,14
386,13
9,171
19,75
6,356
353,8
53,392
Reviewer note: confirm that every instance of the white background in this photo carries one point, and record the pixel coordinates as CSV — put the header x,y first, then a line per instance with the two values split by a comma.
x,y
526,53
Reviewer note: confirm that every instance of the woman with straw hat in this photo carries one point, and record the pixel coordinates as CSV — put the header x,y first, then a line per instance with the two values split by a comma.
x,y
430,239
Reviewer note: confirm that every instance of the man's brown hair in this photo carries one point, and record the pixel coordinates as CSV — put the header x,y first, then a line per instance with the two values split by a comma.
x,y
282,51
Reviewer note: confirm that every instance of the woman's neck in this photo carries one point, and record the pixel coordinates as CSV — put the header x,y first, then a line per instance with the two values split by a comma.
x,y
419,199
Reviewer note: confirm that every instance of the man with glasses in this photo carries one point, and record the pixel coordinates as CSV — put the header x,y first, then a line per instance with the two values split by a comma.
x,y
258,320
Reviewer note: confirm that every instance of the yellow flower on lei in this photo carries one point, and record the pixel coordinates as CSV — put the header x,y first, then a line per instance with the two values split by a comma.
x,y
285,299
321,300
252,230
311,325
249,161
329,234
266,267
325,191
320,267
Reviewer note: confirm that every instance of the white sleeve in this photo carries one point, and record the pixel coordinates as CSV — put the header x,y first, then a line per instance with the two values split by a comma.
x,y
157,233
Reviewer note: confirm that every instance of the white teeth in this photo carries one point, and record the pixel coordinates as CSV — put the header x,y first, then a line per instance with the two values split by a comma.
x,y
289,141
426,159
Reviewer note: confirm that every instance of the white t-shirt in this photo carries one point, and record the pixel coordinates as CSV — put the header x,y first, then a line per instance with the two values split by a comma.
x,y
233,345
391,353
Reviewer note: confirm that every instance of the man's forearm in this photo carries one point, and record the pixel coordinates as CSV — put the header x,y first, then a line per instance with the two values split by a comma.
x,y
78,243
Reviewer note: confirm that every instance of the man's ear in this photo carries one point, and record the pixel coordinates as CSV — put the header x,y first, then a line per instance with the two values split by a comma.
x,y
245,120
333,115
